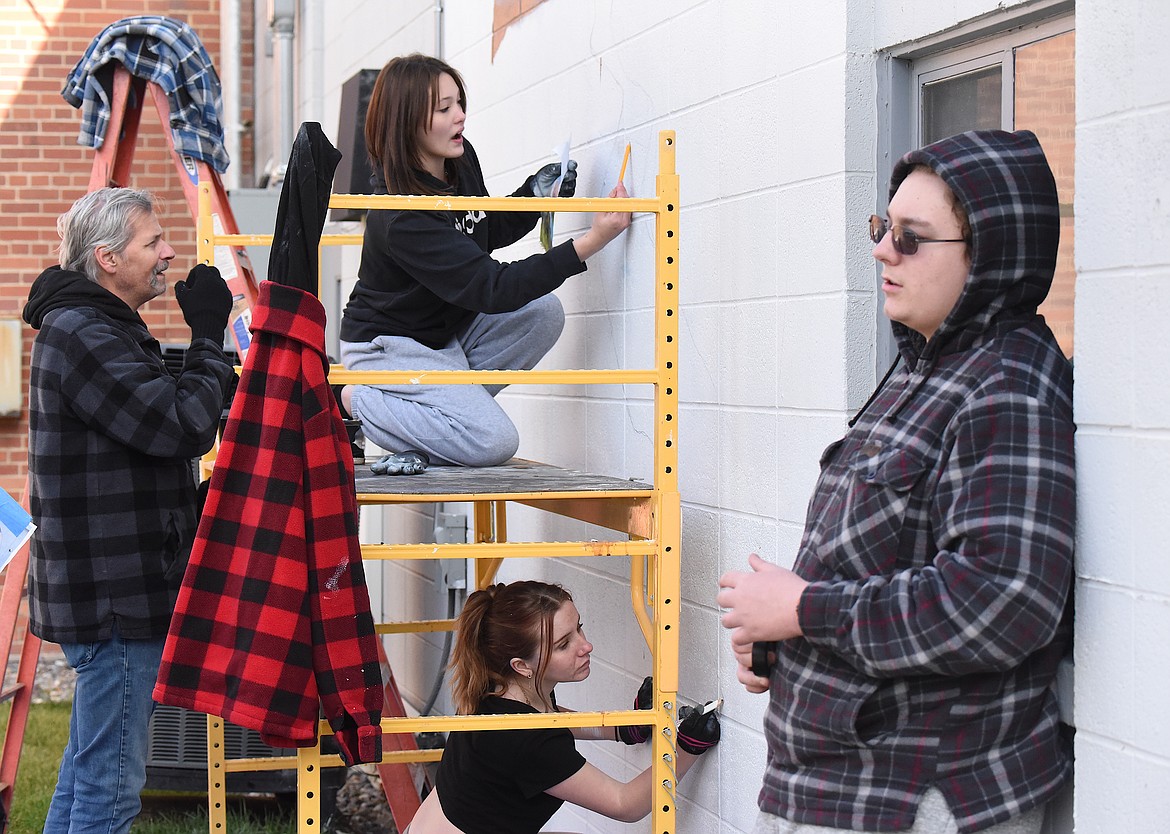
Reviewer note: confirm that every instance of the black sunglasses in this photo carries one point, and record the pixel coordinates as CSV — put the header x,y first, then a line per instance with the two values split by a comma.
x,y
905,241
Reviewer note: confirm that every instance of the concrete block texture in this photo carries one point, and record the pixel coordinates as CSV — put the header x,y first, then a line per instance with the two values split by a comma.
x,y
1123,209
813,345
749,265
1151,296
1105,686
700,554
1122,206
800,438
1126,51
1106,535
749,344
1150,662
1120,672
742,751
1129,792
699,346
892,25
750,485
1106,368
700,465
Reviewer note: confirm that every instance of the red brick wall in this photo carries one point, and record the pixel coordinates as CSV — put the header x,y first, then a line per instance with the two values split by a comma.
x,y
504,14
1046,104
246,164
43,169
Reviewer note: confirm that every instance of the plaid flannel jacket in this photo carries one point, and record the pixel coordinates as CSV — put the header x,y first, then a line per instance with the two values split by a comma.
x,y
939,545
273,620
169,53
112,437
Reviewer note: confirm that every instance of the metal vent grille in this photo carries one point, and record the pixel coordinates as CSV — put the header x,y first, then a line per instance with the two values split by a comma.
x,y
178,737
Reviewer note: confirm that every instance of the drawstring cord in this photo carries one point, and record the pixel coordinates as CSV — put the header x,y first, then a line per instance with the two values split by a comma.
x,y
905,399
876,391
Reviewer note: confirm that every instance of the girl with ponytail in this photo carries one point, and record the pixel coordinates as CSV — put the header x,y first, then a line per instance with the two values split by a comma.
x,y
515,643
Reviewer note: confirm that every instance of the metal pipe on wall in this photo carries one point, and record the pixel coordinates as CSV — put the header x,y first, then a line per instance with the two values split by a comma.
x,y
229,38
282,21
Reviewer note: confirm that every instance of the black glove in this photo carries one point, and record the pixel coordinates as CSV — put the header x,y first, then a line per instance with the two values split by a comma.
x,y
206,302
643,700
764,657
410,462
698,732
542,180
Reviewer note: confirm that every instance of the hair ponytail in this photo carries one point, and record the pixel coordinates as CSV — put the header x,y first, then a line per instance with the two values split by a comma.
x,y
471,680
497,624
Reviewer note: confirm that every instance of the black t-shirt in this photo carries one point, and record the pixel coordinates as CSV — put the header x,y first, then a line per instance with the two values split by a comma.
x,y
494,781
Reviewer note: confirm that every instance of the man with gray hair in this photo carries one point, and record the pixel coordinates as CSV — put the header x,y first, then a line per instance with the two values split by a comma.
x,y
112,435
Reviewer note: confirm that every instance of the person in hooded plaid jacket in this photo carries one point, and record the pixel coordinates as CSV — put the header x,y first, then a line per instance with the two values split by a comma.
x,y
920,629
112,436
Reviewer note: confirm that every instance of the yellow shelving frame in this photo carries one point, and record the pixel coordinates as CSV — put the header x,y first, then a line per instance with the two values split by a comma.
x,y
649,515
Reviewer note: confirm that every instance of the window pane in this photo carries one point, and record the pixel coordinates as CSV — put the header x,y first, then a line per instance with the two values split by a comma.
x,y
971,101
1045,105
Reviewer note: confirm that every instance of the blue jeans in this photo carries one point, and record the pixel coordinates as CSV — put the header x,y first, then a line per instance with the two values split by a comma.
x,y
103,769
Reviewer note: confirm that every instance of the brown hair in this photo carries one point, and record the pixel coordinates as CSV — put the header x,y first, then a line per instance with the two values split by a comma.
x,y
956,207
497,624
402,103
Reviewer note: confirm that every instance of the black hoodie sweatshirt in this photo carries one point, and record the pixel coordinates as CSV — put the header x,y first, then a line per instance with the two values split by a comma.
x,y
58,288
425,274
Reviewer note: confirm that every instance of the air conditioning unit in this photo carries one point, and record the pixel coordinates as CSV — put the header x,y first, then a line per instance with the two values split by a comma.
x,y
176,759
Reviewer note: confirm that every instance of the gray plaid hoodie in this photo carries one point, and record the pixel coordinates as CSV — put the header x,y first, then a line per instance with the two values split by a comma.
x,y
939,545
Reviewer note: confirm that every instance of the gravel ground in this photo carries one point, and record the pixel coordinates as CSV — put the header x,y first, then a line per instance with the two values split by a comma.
x,y
361,805
54,679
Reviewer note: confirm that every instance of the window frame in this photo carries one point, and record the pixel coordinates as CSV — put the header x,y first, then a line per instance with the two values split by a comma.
x,y
999,51
903,69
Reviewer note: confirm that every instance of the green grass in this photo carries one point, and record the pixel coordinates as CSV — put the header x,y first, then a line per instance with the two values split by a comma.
x,y
163,815
44,740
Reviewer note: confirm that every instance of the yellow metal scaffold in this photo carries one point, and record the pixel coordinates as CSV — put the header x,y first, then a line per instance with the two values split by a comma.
x,y
648,514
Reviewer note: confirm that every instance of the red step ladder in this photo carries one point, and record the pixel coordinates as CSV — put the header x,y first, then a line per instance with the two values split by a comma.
x,y
401,782
111,167
14,627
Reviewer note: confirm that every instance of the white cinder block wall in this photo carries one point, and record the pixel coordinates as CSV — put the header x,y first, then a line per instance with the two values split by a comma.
x,y
776,110
1123,417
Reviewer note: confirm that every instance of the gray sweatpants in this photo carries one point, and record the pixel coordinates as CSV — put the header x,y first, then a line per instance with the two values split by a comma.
x,y
454,424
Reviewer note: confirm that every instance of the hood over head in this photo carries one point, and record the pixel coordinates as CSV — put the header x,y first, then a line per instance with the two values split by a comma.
x,y
1003,182
56,288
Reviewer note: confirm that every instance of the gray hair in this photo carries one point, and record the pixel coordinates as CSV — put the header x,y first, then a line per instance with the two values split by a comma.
x,y
103,218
